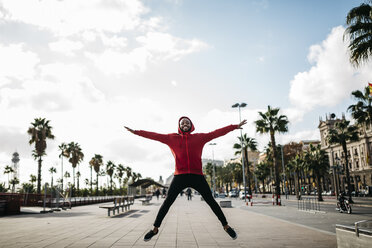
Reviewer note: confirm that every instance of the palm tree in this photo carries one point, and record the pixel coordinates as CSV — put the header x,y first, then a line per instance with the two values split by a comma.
x,y
40,131
208,168
110,168
119,175
62,147
67,175
359,31
14,182
8,170
96,162
248,144
75,155
262,172
237,173
32,179
342,133
78,180
317,162
272,123
362,110
297,165
51,171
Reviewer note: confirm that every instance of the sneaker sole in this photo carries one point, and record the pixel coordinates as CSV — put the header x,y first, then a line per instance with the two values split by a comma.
x,y
236,236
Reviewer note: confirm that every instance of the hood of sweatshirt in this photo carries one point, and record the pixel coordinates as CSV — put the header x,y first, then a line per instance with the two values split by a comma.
x,y
179,128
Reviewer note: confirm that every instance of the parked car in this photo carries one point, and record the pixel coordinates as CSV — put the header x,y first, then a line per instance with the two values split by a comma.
x,y
222,195
242,195
233,193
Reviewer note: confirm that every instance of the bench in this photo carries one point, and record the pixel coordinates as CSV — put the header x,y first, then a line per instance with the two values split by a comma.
x,y
225,204
147,200
119,202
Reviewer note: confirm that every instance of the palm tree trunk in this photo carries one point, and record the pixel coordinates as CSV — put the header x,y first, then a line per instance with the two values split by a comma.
x,y
263,186
276,167
347,172
319,187
297,186
39,176
97,185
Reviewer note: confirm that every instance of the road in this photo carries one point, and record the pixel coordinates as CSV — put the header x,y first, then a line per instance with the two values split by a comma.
x,y
325,220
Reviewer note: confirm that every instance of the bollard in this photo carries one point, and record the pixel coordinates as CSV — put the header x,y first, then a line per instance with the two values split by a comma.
x,y
273,199
279,201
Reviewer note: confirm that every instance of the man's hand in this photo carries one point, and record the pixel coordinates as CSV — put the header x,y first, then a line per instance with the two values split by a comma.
x,y
129,129
242,123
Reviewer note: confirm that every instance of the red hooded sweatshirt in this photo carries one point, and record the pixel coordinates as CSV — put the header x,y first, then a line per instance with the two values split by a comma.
x,y
187,147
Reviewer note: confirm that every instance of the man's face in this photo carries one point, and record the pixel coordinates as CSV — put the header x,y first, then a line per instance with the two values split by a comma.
x,y
185,124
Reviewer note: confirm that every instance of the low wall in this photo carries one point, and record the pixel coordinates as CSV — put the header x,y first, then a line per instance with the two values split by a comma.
x,y
347,237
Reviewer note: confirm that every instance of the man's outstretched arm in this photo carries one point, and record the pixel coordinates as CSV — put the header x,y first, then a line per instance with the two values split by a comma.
x,y
150,135
222,131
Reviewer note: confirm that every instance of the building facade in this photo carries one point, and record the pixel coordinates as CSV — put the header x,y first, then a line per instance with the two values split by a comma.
x,y
359,153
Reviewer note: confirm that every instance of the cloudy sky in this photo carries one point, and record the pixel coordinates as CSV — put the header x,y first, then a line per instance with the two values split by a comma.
x,y
91,67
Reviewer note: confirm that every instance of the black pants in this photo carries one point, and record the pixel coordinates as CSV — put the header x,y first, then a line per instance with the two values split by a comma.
x,y
181,182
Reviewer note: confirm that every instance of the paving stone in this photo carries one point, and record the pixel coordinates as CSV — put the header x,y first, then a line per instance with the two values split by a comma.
x,y
188,224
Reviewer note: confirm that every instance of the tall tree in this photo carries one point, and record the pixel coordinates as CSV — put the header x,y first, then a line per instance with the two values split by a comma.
x,y
51,171
96,162
248,144
33,179
14,182
110,168
262,172
317,162
39,132
75,155
271,122
62,148
120,170
297,165
359,31
341,133
8,170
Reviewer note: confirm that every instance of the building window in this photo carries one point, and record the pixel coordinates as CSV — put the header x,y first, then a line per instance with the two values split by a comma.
x,y
356,152
357,164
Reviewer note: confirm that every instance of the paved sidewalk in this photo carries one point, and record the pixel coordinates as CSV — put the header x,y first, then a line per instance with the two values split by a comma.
x,y
188,224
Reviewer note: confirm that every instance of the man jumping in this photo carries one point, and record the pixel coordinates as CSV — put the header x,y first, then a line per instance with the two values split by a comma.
x,y
187,150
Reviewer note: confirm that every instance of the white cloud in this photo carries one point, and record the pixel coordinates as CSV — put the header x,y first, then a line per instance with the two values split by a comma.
x,y
65,46
331,79
153,47
73,16
165,46
16,63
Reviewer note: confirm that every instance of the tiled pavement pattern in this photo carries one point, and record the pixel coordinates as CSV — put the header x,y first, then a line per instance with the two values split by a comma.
x,y
188,224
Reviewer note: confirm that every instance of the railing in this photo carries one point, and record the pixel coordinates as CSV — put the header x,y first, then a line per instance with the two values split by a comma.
x,y
308,204
365,224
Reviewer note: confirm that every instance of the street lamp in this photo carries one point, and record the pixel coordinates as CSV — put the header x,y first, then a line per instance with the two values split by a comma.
x,y
241,105
214,170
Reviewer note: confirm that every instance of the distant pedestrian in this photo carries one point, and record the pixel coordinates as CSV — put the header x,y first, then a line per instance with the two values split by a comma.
x,y
157,193
187,149
164,192
188,193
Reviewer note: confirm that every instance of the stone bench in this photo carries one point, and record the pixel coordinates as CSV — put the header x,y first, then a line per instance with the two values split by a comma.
x,y
225,204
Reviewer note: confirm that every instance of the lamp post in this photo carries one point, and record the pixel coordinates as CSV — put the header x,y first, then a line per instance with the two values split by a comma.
x,y
214,170
241,105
